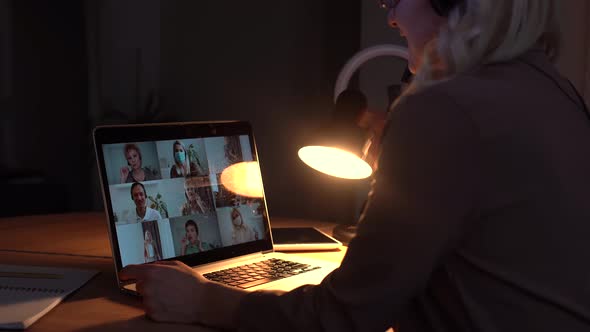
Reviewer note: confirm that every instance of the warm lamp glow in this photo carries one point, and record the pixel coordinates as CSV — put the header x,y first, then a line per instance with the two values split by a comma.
x,y
335,162
243,179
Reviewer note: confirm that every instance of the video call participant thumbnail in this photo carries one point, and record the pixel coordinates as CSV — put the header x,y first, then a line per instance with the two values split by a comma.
x,y
134,172
183,166
142,211
241,231
191,243
198,196
151,252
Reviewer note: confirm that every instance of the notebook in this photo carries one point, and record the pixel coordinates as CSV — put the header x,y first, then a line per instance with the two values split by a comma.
x,y
193,192
29,292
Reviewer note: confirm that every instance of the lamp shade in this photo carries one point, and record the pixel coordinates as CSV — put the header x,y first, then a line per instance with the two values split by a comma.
x,y
337,147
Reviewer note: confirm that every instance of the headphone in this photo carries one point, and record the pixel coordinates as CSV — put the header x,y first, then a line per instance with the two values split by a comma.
x,y
444,7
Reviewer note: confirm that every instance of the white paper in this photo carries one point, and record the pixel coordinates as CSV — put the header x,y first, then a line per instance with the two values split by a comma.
x,y
24,300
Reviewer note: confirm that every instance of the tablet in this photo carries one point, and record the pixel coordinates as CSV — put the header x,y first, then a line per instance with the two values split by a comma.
x,y
302,238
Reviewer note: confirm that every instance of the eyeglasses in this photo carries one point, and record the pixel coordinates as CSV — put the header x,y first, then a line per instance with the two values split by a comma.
x,y
388,4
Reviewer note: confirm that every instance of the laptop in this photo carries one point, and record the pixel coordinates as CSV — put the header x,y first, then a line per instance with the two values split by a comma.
x,y
193,192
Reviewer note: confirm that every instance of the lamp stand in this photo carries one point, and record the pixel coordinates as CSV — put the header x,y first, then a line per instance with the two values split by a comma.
x,y
345,233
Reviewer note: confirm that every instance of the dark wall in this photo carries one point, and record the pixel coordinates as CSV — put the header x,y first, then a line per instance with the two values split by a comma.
x,y
5,78
6,47
45,106
271,63
76,64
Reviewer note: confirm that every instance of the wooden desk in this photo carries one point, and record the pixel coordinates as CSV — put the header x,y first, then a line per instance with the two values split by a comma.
x,y
81,240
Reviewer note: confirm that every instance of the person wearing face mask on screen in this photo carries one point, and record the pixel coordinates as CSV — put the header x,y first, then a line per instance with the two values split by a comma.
x,y
241,232
478,217
182,166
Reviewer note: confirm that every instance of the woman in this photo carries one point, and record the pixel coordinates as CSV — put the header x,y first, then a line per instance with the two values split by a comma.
x,y
478,215
190,243
241,232
182,165
193,189
134,172
150,251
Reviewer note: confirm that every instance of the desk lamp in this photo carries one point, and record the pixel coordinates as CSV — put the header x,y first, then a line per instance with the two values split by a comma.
x,y
341,150
343,158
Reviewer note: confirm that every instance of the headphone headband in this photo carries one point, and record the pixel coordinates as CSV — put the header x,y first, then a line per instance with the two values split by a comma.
x,y
444,7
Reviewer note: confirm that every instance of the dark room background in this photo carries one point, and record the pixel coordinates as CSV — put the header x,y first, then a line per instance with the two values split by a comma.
x,y
69,65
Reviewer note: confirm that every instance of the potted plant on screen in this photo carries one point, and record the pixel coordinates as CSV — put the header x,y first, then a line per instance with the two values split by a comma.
x,y
159,205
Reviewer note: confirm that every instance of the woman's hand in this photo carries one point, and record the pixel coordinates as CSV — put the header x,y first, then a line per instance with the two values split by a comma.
x,y
173,292
202,206
124,174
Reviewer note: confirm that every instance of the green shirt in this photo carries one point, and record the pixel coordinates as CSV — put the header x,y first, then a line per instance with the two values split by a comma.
x,y
194,248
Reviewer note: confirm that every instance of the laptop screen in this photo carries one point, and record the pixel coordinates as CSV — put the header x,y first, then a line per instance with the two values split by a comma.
x,y
193,194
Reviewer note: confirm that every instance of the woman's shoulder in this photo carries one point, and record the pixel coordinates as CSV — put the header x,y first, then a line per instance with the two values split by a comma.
x,y
474,91
499,81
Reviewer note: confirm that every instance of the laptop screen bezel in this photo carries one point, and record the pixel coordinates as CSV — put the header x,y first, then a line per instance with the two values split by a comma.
x,y
171,131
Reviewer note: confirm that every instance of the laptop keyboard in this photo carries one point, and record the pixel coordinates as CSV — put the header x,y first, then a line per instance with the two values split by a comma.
x,y
250,275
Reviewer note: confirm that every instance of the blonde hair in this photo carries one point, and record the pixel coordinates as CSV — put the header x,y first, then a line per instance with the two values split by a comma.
x,y
485,32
